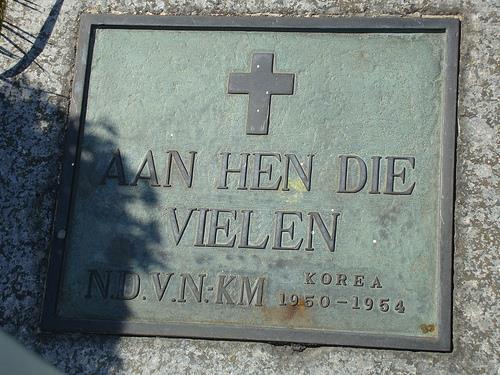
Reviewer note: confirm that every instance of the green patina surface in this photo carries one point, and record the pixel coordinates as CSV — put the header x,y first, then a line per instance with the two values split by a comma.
x,y
355,94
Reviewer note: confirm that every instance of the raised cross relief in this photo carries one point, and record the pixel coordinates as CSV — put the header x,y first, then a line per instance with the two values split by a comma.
x,y
260,84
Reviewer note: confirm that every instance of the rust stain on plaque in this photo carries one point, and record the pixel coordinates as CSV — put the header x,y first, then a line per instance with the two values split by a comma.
x,y
428,328
289,314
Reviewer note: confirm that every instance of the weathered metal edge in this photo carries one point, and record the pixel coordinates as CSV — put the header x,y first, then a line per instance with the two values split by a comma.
x,y
69,162
447,201
450,26
327,24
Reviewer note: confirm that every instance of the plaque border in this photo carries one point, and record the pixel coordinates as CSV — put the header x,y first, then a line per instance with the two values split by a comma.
x,y
50,322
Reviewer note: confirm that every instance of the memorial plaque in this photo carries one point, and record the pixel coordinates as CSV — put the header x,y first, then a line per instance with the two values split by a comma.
x,y
269,179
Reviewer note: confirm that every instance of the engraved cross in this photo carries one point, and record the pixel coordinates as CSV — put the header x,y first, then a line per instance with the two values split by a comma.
x,y
260,84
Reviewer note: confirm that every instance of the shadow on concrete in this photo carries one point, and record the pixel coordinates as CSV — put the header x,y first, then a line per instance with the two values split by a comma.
x,y
31,133
24,58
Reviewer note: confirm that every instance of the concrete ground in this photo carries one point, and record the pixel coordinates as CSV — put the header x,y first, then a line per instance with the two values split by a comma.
x,y
38,40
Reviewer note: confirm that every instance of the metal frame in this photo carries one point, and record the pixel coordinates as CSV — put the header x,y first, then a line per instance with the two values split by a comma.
x,y
89,23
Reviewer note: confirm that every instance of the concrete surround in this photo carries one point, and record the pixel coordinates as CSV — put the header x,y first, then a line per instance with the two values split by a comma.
x,y
33,107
